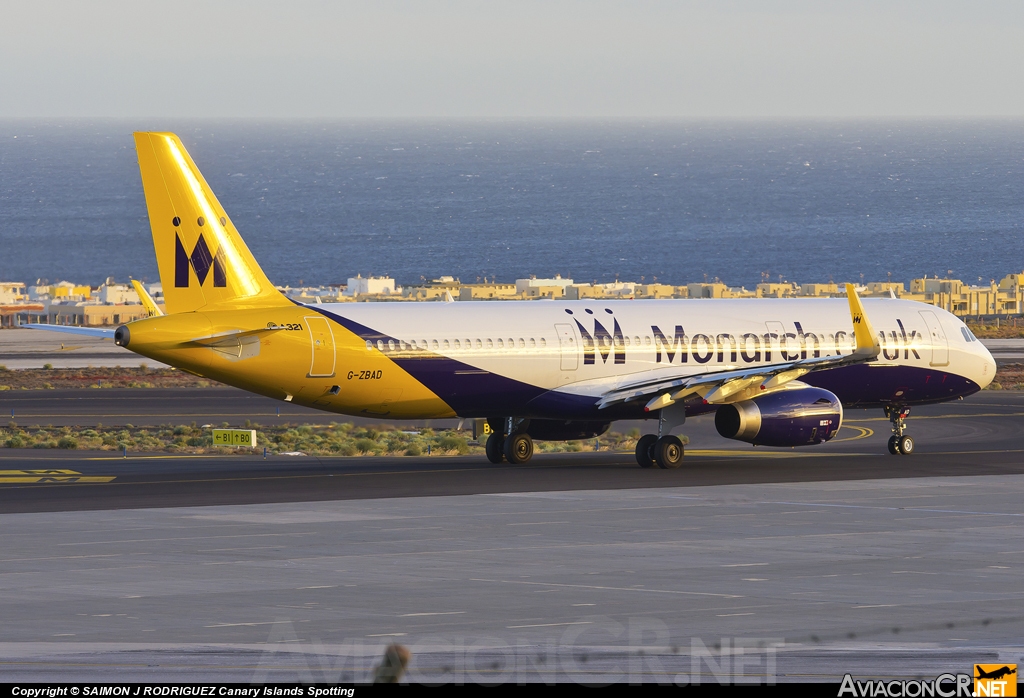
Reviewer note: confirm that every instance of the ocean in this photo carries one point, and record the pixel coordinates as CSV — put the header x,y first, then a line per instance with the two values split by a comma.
x,y
318,202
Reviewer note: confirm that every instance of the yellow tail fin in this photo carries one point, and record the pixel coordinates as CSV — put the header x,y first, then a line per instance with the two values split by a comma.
x,y
203,261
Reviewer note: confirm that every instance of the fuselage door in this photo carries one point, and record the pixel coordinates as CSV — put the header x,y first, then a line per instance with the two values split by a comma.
x,y
322,339
568,346
775,339
937,338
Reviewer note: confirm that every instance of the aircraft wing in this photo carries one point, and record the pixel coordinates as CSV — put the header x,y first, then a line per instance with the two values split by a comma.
x,y
68,329
732,385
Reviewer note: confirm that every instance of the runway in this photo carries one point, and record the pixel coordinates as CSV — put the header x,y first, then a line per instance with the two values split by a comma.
x,y
744,564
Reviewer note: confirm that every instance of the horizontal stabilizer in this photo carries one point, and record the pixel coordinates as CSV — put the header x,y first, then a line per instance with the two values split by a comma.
x,y
152,309
68,329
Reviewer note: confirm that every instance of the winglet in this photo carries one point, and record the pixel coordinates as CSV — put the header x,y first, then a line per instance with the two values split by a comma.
x,y
867,340
152,309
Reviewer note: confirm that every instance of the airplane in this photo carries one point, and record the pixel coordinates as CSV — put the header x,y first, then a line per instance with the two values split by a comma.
x,y
995,674
774,372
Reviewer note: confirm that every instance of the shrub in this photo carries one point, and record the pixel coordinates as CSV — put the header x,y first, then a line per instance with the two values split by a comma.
x,y
47,367
453,443
413,450
66,442
366,445
347,450
15,442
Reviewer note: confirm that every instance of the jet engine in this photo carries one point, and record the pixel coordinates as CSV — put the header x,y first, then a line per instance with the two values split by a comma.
x,y
797,415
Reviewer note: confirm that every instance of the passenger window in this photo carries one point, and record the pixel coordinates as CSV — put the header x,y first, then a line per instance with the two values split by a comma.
x,y
479,344
435,345
369,344
636,341
533,343
647,341
490,343
457,345
447,345
543,342
391,345
522,344
380,344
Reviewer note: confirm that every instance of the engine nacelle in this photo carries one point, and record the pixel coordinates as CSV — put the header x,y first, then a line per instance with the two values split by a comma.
x,y
560,430
797,415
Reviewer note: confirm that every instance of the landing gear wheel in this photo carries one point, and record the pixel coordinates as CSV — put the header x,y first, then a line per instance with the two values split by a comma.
x,y
643,450
894,445
899,442
668,452
906,444
495,448
518,448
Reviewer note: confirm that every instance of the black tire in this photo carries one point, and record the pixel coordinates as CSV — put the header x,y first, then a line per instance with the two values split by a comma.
x,y
894,445
668,452
906,444
518,448
644,446
495,448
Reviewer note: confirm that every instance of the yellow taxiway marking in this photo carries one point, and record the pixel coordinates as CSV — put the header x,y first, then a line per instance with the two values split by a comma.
x,y
47,479
865,432
42,477
736,453
39,472
944,416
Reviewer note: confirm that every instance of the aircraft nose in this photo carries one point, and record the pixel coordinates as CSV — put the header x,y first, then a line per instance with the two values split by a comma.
x,y
990,365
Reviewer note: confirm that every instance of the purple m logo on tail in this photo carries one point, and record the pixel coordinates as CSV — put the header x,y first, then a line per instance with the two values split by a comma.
x,y
201,261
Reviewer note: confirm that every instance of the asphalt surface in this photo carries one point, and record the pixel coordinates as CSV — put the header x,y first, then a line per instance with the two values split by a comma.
x,y
978,436
744,564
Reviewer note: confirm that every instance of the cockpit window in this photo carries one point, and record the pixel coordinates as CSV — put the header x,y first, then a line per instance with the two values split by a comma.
x,y
968,335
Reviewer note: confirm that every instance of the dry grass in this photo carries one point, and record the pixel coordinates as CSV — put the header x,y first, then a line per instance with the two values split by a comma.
x,y
314,439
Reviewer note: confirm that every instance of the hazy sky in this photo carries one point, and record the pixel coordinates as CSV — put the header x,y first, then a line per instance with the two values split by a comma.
x,y
498,59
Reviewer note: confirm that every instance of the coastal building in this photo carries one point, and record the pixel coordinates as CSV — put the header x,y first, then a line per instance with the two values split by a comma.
x,y
111,303
543,288
371,286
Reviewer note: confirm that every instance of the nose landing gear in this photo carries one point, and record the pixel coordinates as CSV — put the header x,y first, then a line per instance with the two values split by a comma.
x,y
900,443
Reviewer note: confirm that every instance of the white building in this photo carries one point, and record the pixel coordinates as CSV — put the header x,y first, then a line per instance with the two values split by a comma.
x,y
116,294
11,292
523,284
371,286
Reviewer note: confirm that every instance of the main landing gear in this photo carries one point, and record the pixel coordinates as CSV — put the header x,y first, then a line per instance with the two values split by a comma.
x,y
663,449
516,448
900,443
